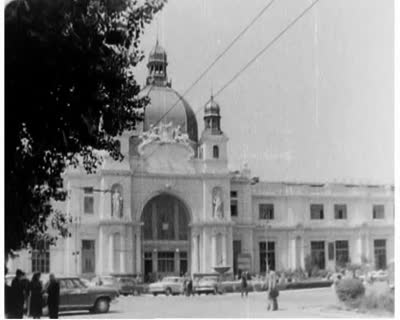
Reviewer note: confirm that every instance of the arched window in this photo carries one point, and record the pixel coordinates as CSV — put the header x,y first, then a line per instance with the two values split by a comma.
x,y
117,202
215,152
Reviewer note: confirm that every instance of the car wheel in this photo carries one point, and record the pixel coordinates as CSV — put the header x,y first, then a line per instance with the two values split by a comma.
x,y
154,294
102,305
168,291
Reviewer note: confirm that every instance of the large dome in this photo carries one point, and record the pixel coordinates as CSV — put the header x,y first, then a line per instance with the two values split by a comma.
x,y
166,105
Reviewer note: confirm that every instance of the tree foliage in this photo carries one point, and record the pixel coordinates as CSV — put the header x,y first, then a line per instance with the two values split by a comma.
x,y
69,90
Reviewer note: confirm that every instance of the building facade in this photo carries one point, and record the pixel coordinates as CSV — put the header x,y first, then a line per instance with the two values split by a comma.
x,y
173,207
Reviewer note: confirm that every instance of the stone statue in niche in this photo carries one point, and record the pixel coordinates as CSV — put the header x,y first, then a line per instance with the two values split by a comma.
x,y
116,203
218,205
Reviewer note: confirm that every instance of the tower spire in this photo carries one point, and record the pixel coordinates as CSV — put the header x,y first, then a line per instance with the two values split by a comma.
x,y
157,66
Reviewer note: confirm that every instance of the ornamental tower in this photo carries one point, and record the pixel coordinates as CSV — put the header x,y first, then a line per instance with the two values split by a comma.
x,y
157,67
213,140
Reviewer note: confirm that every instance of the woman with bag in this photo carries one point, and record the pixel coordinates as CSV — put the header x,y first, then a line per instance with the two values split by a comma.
x,y
273,292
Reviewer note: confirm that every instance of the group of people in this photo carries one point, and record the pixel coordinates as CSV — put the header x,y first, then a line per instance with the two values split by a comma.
x,y
22,291
272,290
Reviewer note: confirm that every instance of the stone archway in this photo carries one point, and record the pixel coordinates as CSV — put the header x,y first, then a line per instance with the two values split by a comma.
x,y
165,237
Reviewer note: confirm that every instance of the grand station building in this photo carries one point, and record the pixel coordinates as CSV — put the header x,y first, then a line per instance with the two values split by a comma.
x,y
173,207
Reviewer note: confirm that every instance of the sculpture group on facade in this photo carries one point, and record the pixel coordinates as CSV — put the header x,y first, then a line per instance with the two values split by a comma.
x,y
163,133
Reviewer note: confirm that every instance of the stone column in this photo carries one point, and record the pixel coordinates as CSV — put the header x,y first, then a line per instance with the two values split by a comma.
x,y
213,250
195,253
138,256
111,254
123,253
100,250
68,255
224,248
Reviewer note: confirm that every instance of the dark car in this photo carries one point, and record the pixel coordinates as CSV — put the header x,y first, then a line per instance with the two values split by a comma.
x,y
75,295
127,286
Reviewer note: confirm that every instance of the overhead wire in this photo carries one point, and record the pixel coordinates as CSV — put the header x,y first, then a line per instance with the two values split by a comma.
x,y
251,61
201,76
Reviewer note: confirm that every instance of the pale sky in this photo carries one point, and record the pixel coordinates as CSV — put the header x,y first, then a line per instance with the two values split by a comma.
x,y
317,106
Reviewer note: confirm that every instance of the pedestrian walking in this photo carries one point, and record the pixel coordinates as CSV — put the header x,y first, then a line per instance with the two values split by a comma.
x,y
35,297
272,292
190,287
17,291
53,299
243,286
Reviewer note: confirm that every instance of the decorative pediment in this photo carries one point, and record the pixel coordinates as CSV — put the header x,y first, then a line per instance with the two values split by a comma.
x,y
164,134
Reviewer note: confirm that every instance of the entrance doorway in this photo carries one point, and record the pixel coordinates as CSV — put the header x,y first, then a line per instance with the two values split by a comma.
x,y
165,232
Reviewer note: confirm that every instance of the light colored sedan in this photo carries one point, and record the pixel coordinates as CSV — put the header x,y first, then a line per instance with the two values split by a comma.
x,y
167,286
208,285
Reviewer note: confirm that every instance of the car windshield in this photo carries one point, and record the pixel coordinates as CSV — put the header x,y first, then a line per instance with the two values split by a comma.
x,y
126,280
169,279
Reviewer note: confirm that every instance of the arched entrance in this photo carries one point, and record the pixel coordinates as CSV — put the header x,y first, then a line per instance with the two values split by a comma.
x,y
166,234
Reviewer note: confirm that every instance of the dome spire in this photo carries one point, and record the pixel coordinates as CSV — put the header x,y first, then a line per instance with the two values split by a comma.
x,y
212,117
157,66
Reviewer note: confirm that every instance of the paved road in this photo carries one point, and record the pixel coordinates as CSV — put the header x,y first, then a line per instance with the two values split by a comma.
x,y
317,303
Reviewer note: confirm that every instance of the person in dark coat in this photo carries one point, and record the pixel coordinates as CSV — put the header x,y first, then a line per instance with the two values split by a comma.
x,y
272,292
17,296
53,299
190,287
243,286
36,296
7,296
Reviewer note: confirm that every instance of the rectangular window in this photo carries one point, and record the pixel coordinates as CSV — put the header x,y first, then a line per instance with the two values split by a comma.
x,y
234,204
267,255
378,211
88,256
340,211
237,249
183,263
166,261
88,200
342,252
41,257
380,254
317,211
318,254
266,211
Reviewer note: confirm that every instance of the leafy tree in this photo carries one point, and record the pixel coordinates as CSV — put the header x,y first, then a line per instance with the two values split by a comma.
x,y
69,90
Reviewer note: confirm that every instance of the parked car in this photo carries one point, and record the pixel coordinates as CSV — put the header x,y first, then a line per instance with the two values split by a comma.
x,y
167,286
209,284
106,281
128,285
75,295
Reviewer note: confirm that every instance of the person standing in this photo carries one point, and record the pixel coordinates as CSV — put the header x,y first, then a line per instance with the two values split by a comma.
x,y
272,292
243,285
36,296
17,296
53,300
7,296
190,287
